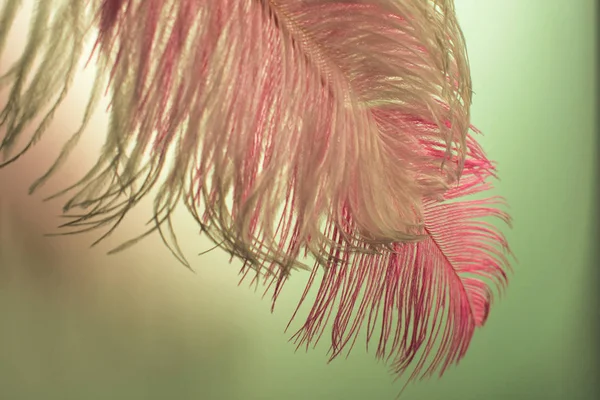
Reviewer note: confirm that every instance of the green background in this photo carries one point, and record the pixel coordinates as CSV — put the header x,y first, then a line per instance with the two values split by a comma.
x,y
77,324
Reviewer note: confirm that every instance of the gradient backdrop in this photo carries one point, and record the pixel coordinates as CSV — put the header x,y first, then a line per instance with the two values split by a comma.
x,y
77,324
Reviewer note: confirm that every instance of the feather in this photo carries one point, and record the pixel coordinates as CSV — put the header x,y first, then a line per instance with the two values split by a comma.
x,y
336,129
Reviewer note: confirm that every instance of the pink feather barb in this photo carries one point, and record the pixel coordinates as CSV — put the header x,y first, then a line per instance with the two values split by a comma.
x,y
334,129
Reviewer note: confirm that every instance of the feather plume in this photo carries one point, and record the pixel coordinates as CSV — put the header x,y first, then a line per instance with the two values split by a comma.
x,y
331,128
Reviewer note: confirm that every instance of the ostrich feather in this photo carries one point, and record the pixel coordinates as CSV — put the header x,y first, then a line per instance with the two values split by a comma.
x,y
336,129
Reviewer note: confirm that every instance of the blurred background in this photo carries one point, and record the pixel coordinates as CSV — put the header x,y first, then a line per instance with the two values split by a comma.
x,y
78,324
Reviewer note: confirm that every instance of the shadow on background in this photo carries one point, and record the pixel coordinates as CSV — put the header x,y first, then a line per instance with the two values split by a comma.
x,y
73,331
